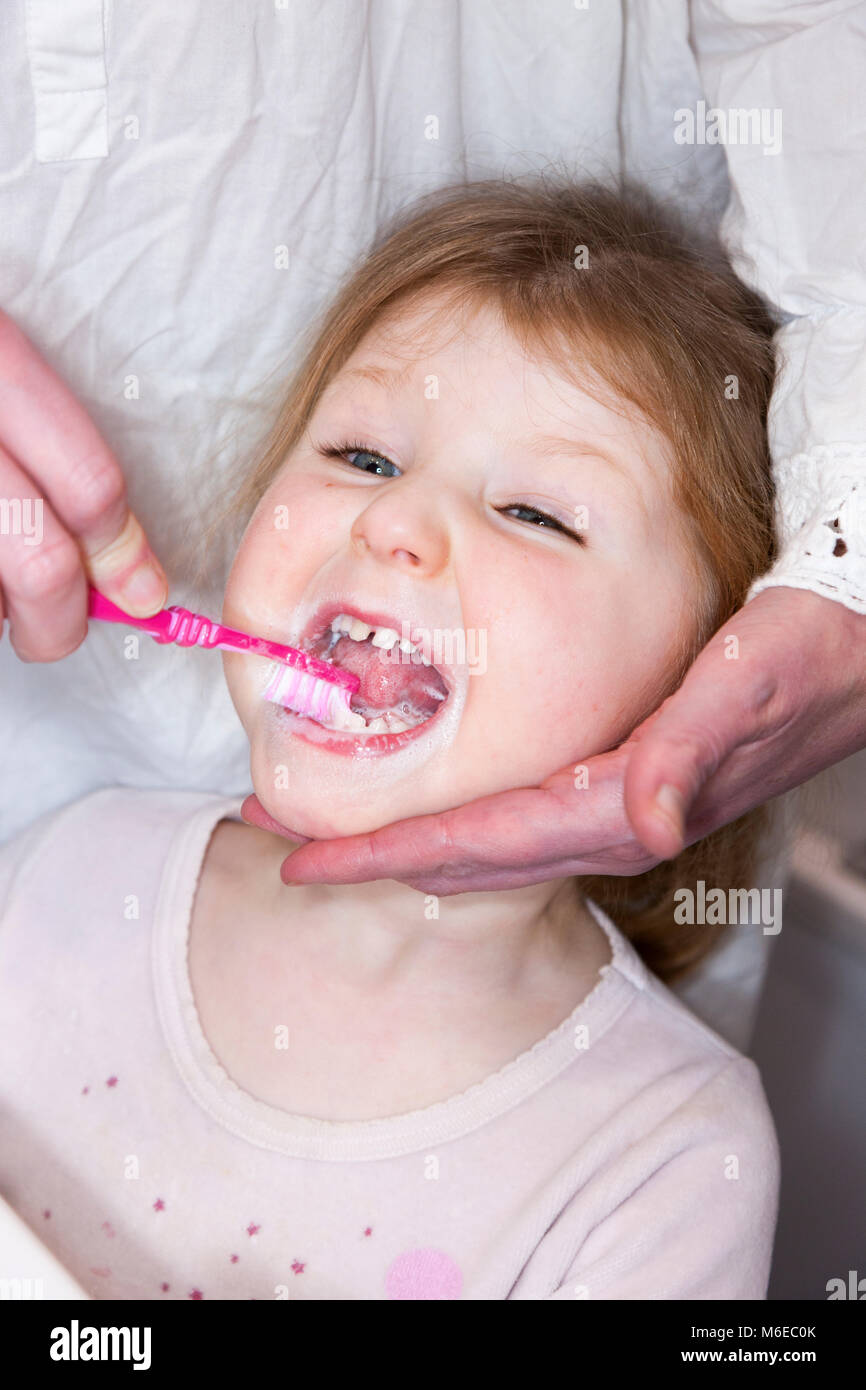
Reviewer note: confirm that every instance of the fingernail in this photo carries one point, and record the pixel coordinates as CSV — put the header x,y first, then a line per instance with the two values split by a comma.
x,y
669,802
145,590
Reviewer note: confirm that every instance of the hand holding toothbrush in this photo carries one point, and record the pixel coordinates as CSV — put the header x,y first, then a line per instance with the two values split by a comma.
x,y
65,516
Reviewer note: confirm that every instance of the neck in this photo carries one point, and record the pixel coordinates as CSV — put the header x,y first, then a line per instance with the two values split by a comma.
x,y
385,935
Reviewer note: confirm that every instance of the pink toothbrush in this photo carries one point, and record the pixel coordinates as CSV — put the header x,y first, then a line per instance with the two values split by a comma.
x,y
309,686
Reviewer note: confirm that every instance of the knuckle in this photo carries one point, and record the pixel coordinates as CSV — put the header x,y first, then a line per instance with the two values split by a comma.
x,y
375,851
773,702
46,570
46,650
447,839
96,486
634,858
698,751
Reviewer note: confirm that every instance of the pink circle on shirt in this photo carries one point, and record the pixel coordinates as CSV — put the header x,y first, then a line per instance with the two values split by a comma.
x,y
423,1274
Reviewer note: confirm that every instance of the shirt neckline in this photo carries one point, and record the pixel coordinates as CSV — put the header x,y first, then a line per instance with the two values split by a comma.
x,y
303,1136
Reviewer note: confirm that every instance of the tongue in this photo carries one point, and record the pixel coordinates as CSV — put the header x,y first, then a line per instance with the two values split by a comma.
x,y
389,683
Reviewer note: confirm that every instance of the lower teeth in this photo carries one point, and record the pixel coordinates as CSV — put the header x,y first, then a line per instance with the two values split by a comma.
x,y
387,723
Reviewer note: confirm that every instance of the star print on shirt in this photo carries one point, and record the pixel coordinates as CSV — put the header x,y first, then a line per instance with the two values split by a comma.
x,y
159,1204
252,1229
112,1081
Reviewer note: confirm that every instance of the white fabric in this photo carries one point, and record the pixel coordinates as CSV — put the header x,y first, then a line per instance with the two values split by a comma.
x,y
155,158
633,1149
795,228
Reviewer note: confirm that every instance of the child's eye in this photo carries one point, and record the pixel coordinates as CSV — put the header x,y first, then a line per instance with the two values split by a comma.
x,y
544,520
340,451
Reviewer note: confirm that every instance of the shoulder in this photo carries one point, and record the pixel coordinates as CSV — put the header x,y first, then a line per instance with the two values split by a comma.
x,y
729,1112
690,1086
693,1088
110,831
656,1009
683,1200
109,808
688,1209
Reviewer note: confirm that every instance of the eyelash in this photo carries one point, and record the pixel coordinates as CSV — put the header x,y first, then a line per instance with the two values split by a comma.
x,y
337,451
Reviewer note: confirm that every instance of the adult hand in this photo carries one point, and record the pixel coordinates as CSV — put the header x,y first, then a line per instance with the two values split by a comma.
x,y
778,694
64,516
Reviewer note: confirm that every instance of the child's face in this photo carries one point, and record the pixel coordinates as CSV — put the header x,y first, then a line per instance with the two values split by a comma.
x,y
547,647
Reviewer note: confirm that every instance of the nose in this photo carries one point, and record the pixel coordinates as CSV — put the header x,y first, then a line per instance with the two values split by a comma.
x,y
405,529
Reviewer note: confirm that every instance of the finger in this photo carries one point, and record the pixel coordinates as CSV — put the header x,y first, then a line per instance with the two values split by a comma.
x,y
57,445
125,569
41,572
683,745
254,813
402,850
507,840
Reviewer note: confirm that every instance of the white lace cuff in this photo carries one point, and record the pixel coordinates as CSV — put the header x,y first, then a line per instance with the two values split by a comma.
x,y
821,524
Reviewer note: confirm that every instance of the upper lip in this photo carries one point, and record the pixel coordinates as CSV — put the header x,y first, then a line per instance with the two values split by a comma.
x,y
324,615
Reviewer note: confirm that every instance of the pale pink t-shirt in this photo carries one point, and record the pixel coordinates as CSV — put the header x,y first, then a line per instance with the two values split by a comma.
x,y
629,1154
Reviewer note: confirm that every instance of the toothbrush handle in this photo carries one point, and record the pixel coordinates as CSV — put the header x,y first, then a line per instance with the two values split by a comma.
x,y
188,629
176,624
101,607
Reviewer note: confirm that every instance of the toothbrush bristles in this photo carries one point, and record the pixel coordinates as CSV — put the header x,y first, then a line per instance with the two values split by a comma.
x,y
306,694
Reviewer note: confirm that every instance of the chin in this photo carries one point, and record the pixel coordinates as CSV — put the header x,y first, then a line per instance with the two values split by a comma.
x,y
306,808
304,821
309,817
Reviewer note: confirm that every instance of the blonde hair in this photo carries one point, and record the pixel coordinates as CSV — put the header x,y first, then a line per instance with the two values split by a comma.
x,y
660,317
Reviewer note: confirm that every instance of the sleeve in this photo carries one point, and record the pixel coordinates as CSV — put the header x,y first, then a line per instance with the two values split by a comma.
x,y
788,82
700,1224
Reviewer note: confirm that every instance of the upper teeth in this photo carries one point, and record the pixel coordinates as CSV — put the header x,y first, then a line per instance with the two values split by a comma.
x,y
384,637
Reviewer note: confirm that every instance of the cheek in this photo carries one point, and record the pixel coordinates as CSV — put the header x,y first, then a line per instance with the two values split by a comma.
x,y
284,544
547,667
271,567
569,656
260,561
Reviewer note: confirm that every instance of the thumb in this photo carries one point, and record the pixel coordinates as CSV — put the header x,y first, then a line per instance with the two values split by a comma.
x,y
120,564
677,750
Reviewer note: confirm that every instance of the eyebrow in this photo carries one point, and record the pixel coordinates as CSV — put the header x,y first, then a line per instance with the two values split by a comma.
x,y
390,379
380,376
579,448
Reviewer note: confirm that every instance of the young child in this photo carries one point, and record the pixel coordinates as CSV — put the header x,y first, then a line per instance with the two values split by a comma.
x,y
529,438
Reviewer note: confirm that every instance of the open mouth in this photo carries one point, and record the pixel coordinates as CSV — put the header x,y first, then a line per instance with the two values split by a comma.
x,y
400,688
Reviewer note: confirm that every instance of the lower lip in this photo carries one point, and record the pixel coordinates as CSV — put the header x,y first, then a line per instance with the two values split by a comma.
x,y
348,745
